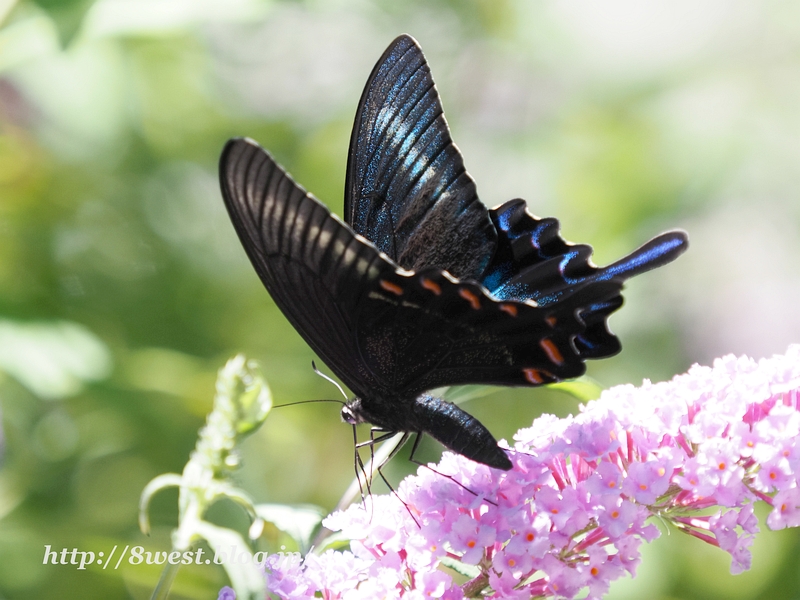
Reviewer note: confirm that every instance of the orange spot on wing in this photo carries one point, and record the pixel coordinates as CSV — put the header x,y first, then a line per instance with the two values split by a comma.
x,y
470,297
552,351
538,376
391,287
510,309
432,286
533,375
551,320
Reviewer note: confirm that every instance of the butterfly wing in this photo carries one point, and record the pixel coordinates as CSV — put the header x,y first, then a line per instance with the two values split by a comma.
x,y
391,334
533,262
407,190
388,332
426,329
316,269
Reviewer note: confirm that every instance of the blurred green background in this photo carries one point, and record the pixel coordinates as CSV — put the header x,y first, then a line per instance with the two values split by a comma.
x,y
123,287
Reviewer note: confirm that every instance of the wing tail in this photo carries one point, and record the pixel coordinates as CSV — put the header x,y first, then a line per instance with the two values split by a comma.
x,y
533,262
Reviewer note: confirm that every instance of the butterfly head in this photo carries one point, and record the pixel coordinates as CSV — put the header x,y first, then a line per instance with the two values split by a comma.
x,y
352,412
382,413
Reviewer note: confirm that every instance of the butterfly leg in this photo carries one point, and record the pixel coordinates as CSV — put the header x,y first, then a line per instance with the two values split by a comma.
x,y
359,467
386,435
371,442
416,462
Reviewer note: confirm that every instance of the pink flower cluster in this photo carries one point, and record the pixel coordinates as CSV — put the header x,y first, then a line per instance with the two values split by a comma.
x,y
570,516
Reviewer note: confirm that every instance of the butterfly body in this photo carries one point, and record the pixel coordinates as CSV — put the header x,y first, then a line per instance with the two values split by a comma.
x,y
423,287
444,421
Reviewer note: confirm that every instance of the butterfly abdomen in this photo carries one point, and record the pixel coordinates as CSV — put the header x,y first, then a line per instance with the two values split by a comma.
x,y
459,431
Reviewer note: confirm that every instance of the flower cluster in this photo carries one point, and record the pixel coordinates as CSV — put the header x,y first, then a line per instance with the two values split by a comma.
x,y
696,452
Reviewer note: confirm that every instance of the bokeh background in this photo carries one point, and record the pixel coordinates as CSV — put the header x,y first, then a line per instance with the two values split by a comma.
x,y
123,287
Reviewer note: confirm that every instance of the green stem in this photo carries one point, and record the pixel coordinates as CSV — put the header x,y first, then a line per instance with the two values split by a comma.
x,y
165,582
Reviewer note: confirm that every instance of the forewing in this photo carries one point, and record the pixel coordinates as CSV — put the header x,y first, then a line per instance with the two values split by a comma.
x,y
316,269
407,190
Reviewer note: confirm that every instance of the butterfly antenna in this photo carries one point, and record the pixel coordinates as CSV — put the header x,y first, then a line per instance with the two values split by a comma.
x,y
326,378
308,402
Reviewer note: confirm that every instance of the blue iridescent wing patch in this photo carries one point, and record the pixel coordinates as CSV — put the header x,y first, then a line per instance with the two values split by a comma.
x,y
407,190
533,262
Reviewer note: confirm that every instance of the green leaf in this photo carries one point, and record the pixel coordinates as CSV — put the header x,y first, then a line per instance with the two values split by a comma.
x,y
299,522
458,394
53,360
246,577
67,16
156,485
583,389
470,571
335,541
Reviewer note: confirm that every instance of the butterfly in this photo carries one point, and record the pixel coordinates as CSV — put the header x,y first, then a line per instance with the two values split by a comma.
x,y
422,286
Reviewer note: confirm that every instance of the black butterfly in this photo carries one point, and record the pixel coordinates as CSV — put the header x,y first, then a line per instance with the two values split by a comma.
x,y
423,287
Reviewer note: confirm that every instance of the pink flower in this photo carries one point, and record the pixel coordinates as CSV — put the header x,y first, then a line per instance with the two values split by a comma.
x,y
226,593
469,537
786,511
697,452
